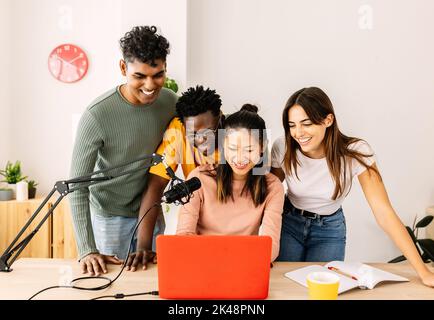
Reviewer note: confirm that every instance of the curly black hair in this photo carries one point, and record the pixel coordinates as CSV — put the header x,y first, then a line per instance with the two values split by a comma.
x,y
144,44
196,101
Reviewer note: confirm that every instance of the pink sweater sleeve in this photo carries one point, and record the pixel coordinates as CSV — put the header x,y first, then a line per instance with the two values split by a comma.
x,y
272,219
189,213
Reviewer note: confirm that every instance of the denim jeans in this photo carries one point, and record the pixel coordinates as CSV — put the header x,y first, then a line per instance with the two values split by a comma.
x,y
113,233
314,240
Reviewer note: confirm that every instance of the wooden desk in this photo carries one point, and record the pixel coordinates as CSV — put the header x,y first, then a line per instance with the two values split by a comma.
x,y
31,275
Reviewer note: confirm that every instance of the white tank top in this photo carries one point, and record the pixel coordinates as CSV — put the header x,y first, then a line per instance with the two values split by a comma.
x,y
314,189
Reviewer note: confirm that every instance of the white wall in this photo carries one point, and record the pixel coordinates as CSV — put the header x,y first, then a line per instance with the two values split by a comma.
x,y
4,83
380,80
43,109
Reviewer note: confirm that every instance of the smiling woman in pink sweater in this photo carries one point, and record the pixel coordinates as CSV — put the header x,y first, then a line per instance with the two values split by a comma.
x,y
237,197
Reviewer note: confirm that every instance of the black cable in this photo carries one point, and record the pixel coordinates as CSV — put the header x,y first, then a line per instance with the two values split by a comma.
x,y
46,289
121,295
110,281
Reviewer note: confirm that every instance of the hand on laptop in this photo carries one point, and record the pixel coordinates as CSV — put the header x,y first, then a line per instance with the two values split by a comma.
x,y
140,257
95,263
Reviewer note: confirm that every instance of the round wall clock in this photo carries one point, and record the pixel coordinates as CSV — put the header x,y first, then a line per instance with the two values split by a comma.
x,y
68,63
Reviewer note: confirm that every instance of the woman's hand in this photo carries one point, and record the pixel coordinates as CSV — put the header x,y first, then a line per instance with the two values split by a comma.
x,y
428,279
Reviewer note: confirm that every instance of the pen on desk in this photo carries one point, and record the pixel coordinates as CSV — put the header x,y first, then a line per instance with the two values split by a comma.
x,y
346,274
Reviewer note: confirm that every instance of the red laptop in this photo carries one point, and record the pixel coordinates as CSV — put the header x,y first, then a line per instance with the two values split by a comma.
x,y
213,267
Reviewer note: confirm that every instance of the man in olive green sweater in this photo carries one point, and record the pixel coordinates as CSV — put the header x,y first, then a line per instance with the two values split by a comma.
x,y
119,126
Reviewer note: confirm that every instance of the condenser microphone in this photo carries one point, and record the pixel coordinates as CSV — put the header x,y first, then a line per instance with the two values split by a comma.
x,y
181,190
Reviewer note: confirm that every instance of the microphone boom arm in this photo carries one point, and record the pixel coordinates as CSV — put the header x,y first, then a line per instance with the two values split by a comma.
x,y
63,188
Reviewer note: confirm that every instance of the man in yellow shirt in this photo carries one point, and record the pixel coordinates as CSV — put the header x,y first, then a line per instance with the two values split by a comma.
x,y
190,140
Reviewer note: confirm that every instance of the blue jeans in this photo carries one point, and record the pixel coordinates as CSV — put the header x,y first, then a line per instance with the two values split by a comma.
x,y
113,233
314,240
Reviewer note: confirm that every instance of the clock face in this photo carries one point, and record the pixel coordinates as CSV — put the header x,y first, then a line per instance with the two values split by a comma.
x,y
68,63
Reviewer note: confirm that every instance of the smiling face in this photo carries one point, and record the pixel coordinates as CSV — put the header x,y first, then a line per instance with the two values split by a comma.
x,y
201,131
308,135
242,151
144,82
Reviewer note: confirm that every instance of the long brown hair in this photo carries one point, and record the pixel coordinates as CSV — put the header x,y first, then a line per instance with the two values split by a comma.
x,y
256,184
318,106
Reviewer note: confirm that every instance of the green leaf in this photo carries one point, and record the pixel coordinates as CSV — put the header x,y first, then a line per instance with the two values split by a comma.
x,y
424,222
32,184
12,172
427,246
171,84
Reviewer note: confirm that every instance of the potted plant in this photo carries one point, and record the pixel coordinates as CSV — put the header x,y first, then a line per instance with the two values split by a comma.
x,y
32,188
12,174
425,247
6,194
171,84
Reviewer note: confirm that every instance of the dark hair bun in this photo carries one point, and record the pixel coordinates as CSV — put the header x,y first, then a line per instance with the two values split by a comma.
x,y
249,107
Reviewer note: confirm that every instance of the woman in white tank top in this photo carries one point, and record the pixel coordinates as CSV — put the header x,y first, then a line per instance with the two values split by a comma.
x,y
318,163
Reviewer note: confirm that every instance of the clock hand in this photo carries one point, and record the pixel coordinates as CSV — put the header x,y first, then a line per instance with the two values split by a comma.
x,y
77,57
63,60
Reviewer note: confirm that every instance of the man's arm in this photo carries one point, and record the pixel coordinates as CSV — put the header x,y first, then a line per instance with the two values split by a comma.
x,y
87,143
153,195
145,231
171,147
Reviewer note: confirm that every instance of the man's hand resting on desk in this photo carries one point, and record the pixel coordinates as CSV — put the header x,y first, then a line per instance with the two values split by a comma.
x,y
140,257
95,263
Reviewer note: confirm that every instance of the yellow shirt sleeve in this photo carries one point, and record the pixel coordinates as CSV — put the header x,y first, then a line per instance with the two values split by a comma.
x,y
171,148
